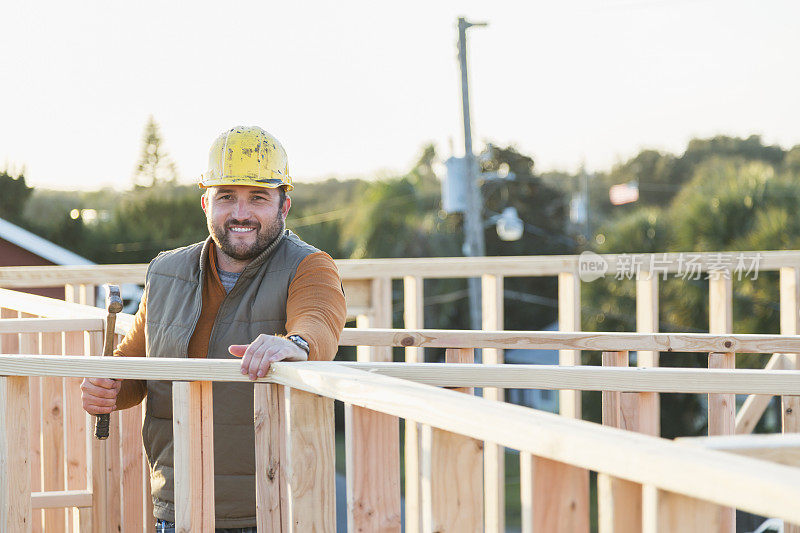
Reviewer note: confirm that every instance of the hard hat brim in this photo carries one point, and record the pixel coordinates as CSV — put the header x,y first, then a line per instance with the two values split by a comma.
x,y
271,183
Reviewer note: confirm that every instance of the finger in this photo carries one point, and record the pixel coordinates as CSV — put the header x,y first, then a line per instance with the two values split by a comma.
x,y
99,392
248,353
99,410
275,353
263,355
105,383
237,350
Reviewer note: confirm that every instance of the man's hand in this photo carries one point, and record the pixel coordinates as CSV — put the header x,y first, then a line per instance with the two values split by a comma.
x,y
265,350
99,395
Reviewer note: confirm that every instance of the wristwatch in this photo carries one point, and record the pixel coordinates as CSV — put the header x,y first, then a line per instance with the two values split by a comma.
x,y
300,342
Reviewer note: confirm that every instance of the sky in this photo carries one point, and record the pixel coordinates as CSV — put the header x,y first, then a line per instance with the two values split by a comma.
x,y
356,89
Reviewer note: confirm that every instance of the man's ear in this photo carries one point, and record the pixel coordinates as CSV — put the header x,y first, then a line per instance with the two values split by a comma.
x,y
287,203
203,201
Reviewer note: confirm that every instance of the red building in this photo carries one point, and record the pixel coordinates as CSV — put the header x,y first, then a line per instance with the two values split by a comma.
x,y
20,247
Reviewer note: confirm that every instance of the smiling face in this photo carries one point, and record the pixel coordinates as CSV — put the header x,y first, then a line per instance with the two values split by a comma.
x,y
243,221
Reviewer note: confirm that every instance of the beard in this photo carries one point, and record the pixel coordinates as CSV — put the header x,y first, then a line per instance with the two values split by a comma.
x,y
242,251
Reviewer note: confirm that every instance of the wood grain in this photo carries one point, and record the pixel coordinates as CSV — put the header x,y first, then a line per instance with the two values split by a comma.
x,y
413,318
308,501
15,475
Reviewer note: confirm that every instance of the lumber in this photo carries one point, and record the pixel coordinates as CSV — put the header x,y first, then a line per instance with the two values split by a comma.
x,y
669,512
372,451
722,407
15,472
619,502
58,499
192,423
269,430
308,496
494,475
779,448
53,458
681,380
722,478
54,308
452,473
49,325
557,340
413,318
649,409
428,267
755,404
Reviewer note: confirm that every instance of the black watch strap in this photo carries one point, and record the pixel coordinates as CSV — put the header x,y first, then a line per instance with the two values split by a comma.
x,y
300,342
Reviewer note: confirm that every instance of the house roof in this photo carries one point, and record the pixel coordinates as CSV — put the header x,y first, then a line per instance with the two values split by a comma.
x,y
39,246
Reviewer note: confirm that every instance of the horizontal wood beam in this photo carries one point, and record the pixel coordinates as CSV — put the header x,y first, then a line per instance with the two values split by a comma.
x,y
428,267
54,308
722,478
558,340
57,499
683,380
778,448
49,325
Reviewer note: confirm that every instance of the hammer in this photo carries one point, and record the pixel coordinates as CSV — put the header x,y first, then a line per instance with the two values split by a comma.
x,y
113,306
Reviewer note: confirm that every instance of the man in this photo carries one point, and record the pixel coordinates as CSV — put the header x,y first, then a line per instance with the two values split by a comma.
x,y
252,290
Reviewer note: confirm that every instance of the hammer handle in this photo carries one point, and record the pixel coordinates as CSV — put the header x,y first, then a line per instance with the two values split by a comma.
x,y
113,306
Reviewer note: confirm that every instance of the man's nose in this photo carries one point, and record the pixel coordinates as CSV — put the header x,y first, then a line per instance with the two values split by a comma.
x,y
241,210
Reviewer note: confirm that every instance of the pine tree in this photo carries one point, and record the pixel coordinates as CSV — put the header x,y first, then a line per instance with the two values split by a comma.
x,y
155,166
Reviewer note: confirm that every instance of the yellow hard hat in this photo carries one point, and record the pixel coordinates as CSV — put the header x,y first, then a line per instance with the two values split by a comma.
x,y
247,155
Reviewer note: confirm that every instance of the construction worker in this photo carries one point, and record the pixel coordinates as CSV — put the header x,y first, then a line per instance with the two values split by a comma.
x,y
252,290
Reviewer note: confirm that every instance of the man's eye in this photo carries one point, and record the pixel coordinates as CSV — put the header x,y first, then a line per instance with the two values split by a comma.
x,y
225,197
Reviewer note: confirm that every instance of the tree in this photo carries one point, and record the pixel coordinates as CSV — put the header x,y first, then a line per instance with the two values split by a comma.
x,y
155,165
15,194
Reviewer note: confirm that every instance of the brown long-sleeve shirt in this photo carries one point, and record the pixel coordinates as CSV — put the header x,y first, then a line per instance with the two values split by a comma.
x,y
315,310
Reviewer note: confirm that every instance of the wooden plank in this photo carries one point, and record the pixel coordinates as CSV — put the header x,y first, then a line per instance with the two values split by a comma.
x,y
619,502
114,473
372,439
52,436
357,296
99,451
54,308
677,380
428,267
722,407
722,478
755,404
558,340
647,322
308,501
452,495
413,318
131,468
789,317
29,343
15,475
48,325
9,341
778,448
452,473
569,319
373,470
494,474
269,431
669,512
192,423
146,496
58,499
74,424
558,492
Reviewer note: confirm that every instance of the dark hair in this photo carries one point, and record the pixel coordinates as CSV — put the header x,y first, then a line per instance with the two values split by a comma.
x,y
283,197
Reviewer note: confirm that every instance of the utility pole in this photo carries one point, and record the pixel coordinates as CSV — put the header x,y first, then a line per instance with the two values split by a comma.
x,y
474,245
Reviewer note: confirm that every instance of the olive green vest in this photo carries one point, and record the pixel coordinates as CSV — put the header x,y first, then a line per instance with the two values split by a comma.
x,y
255,305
